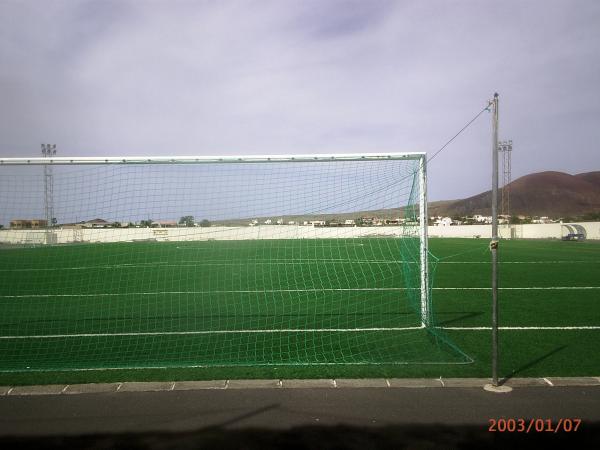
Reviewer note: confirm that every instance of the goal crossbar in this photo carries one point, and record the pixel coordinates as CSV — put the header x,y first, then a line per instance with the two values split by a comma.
x,y
66,160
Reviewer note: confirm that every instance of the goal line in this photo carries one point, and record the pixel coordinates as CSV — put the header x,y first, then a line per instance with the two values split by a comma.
x,y
261,291
300,330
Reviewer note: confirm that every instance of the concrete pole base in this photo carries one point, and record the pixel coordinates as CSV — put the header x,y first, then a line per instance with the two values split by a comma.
x,y
500,389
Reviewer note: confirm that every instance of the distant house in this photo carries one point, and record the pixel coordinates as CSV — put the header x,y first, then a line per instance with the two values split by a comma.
x,y
28,224
443,222
371,221
482,219
96,223
164,224
397,221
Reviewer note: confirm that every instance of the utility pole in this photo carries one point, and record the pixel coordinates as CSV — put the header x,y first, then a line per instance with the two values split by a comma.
x,y
494,249
48,151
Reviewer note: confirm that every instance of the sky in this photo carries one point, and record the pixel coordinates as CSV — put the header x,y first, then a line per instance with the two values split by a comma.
x,y
216,191
114,78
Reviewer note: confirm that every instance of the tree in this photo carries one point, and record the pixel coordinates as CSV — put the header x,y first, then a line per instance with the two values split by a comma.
x,y
591,217
146,223
205,223
188,221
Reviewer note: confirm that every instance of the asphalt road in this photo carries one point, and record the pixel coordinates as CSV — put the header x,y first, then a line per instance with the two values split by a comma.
x,y
63,419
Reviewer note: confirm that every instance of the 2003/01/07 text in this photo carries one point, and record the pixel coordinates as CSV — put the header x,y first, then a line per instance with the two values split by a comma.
x,y
539,425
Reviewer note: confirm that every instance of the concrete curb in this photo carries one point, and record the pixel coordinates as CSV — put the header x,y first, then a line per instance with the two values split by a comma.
x,y
310,384
92,388
372,383
362,383
197,385
574,381
253,384
150,386
415,383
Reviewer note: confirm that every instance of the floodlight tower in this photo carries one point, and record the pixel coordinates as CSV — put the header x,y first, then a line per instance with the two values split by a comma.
x,y
505,147
48,151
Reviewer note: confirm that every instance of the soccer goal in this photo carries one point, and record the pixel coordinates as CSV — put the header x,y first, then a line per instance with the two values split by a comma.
x,y
216,261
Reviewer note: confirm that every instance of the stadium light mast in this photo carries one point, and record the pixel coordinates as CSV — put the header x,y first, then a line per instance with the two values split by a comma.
x,y
505,147
48,151
495,387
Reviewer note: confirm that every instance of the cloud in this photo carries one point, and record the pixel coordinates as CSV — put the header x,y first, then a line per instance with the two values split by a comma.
x,y
220,77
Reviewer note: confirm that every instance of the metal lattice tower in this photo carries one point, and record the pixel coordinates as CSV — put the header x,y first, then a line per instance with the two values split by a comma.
x,y
505,147
48,150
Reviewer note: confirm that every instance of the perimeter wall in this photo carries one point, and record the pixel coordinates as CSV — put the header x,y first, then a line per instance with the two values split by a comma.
x,y
63,236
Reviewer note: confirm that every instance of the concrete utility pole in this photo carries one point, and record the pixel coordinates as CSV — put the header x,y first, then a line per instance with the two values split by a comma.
x,y
495,387
494,243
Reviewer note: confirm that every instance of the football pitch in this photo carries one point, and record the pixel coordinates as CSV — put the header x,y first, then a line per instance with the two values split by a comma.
x,y
176,305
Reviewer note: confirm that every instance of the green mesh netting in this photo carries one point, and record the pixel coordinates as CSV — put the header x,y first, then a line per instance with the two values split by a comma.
x,y
231,263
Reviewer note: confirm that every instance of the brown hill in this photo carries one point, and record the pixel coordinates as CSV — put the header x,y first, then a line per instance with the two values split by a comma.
x,y
590,177
552,194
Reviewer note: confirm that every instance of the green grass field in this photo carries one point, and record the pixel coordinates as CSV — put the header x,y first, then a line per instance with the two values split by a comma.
x,y
201,309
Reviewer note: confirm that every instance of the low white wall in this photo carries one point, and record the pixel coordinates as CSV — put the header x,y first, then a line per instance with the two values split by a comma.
x,y
63,236
530,231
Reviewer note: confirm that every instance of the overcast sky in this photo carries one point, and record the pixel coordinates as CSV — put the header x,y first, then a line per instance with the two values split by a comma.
x,y
245,77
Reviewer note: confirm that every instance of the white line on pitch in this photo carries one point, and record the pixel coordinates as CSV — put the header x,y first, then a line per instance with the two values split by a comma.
x,y
204,263
185,333
530,288
248,291
270,291
293,330
582,327
520,262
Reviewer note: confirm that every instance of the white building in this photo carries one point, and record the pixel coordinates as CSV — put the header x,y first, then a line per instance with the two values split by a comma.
x,y
482,219
443,222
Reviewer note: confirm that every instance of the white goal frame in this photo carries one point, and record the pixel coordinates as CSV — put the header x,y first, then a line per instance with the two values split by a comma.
x,y
418,156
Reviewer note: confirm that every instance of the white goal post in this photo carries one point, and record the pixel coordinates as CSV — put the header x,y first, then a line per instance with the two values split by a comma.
x,y
421,157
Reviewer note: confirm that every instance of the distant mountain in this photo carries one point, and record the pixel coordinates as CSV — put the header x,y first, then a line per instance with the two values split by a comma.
x,y
590,177
552,194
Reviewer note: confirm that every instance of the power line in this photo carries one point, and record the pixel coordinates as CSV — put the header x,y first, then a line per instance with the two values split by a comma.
x,y
487,108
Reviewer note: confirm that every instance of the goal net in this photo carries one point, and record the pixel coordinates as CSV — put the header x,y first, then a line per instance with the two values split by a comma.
x,y
200,261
